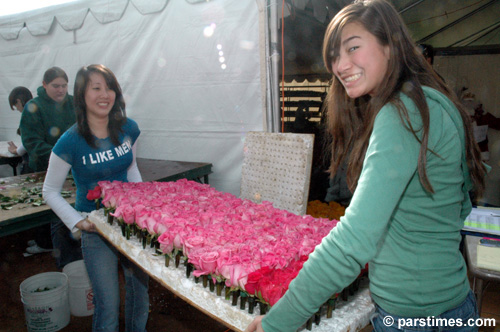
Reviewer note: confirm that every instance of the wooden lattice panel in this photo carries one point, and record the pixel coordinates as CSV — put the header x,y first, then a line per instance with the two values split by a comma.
x,y
277,168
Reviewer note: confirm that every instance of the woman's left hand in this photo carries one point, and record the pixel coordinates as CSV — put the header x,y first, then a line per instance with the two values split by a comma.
x,y
12,148
256,325
86,225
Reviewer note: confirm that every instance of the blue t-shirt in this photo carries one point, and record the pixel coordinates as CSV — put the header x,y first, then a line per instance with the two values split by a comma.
x,y
90,165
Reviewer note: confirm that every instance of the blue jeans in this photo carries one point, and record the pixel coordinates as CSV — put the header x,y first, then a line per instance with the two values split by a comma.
x,y
66,248
101,260
381,320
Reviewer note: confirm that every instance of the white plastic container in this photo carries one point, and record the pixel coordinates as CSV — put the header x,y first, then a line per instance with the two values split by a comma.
x,y
80,289
45,300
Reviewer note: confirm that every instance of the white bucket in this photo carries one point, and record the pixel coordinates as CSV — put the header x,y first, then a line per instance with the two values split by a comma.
x,y
80,289
45,299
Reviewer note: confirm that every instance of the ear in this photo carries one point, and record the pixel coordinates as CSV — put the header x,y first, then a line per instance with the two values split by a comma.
x,y
44,85
387,52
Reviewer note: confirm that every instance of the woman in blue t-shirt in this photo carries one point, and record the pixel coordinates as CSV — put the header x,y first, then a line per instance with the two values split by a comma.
x,y
99,147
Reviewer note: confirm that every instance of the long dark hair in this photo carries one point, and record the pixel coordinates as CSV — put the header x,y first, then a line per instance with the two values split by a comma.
x,y
350,121
117,116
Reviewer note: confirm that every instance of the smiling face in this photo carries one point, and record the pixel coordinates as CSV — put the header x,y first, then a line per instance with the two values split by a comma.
x,y
361,61
56,89
99,98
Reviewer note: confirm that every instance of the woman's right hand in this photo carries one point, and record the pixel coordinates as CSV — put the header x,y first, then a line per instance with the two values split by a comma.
x,y
86,225
255,325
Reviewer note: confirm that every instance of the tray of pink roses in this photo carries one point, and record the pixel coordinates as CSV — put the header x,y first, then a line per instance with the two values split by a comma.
x,y
250,251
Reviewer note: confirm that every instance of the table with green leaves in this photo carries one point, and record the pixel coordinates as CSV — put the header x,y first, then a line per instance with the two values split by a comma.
x,y
23,208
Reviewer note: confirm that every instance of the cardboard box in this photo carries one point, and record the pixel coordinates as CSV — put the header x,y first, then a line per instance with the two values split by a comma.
x,y
488,257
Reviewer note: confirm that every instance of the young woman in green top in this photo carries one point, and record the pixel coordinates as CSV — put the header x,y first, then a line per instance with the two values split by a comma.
x,y
411,162
44,119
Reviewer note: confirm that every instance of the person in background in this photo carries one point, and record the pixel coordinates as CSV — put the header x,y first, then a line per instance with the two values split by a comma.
x,y
102,128
44,119
18,97
428,53
338,190
483,118
481,122
411,161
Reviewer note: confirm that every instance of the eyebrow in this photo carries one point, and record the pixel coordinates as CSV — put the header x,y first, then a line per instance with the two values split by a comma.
x,y
349,39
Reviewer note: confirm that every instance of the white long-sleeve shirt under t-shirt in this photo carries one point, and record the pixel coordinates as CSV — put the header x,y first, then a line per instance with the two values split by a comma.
x,y
21,151
54,180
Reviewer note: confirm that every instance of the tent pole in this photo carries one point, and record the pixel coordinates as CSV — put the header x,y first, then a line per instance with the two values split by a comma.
x,y
274,106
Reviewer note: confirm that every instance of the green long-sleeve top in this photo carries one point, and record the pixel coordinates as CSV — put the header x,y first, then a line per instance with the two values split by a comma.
x,y
410,237
43,121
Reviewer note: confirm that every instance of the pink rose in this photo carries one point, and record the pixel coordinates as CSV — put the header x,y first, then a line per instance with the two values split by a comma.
x,y
209,261
109,199
141,215
166,242
192,242
128,214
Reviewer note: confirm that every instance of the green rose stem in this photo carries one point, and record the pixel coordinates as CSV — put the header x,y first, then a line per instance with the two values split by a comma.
x,y
127,231
220,286
144,238
350,289
167,260
344,294
97,204
110,219
243,301
211,284
236,294
263,308
317,317
122,225
189,268
205,281
157,245
197,280
178,259
331,306
251,304
227,293
355,284
309,324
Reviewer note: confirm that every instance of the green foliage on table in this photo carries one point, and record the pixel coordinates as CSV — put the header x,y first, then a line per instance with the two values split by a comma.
x,y
31,196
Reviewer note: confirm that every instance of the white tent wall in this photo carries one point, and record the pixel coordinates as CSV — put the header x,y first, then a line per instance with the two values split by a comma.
x,y
480,73
187,105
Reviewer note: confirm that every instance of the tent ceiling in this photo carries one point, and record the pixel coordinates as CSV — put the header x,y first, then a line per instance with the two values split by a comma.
x,y
71,16
451,26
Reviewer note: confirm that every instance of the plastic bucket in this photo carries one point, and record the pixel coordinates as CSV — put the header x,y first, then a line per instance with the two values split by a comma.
x,y
45,300
80,289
